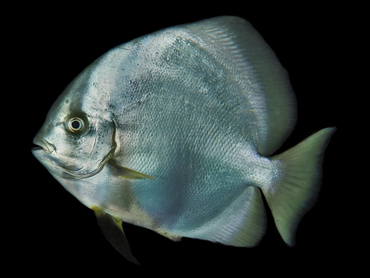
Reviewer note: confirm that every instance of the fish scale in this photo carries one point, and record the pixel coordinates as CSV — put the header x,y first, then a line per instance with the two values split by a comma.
x,y
176,133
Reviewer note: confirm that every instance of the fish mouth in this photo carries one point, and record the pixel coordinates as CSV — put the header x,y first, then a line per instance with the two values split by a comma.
x,y
42,144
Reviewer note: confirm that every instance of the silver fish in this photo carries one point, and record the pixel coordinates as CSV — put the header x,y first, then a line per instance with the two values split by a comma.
x,y
176,132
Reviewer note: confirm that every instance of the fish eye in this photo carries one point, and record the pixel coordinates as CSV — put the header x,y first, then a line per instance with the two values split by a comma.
x,y
76,124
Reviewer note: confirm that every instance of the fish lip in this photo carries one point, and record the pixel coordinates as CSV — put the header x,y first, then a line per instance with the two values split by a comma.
x,y
42,144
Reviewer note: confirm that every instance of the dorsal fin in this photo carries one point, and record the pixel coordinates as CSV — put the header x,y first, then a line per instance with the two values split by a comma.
x,y
269,91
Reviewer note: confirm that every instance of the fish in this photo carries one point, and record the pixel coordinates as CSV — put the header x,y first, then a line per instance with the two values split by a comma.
x,y
178,132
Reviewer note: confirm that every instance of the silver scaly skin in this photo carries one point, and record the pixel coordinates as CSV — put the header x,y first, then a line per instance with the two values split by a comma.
x,y
174,131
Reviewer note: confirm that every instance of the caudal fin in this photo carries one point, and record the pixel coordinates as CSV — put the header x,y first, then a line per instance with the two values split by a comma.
x,y
296,184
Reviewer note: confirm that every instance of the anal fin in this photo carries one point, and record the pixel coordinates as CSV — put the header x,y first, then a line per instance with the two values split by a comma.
x,y
243,224
111,228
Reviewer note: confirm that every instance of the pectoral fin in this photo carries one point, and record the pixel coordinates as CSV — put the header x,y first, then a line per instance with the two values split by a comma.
x,y
111,228
128,173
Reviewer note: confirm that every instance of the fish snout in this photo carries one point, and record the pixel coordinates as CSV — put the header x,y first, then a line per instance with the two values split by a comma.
x,y
43,144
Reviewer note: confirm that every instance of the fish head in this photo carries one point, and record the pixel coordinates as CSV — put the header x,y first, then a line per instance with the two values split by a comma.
x,y
77,138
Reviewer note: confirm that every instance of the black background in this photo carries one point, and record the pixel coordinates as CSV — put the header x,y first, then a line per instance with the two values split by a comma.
x,y
53,234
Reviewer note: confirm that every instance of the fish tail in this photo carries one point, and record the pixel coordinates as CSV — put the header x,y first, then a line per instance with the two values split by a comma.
x,y
296,182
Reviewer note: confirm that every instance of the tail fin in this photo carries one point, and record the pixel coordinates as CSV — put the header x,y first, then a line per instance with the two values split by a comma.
x,y
295,187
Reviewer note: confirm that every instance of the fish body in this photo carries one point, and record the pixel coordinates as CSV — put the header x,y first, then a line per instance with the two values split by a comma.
x,y
176,132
